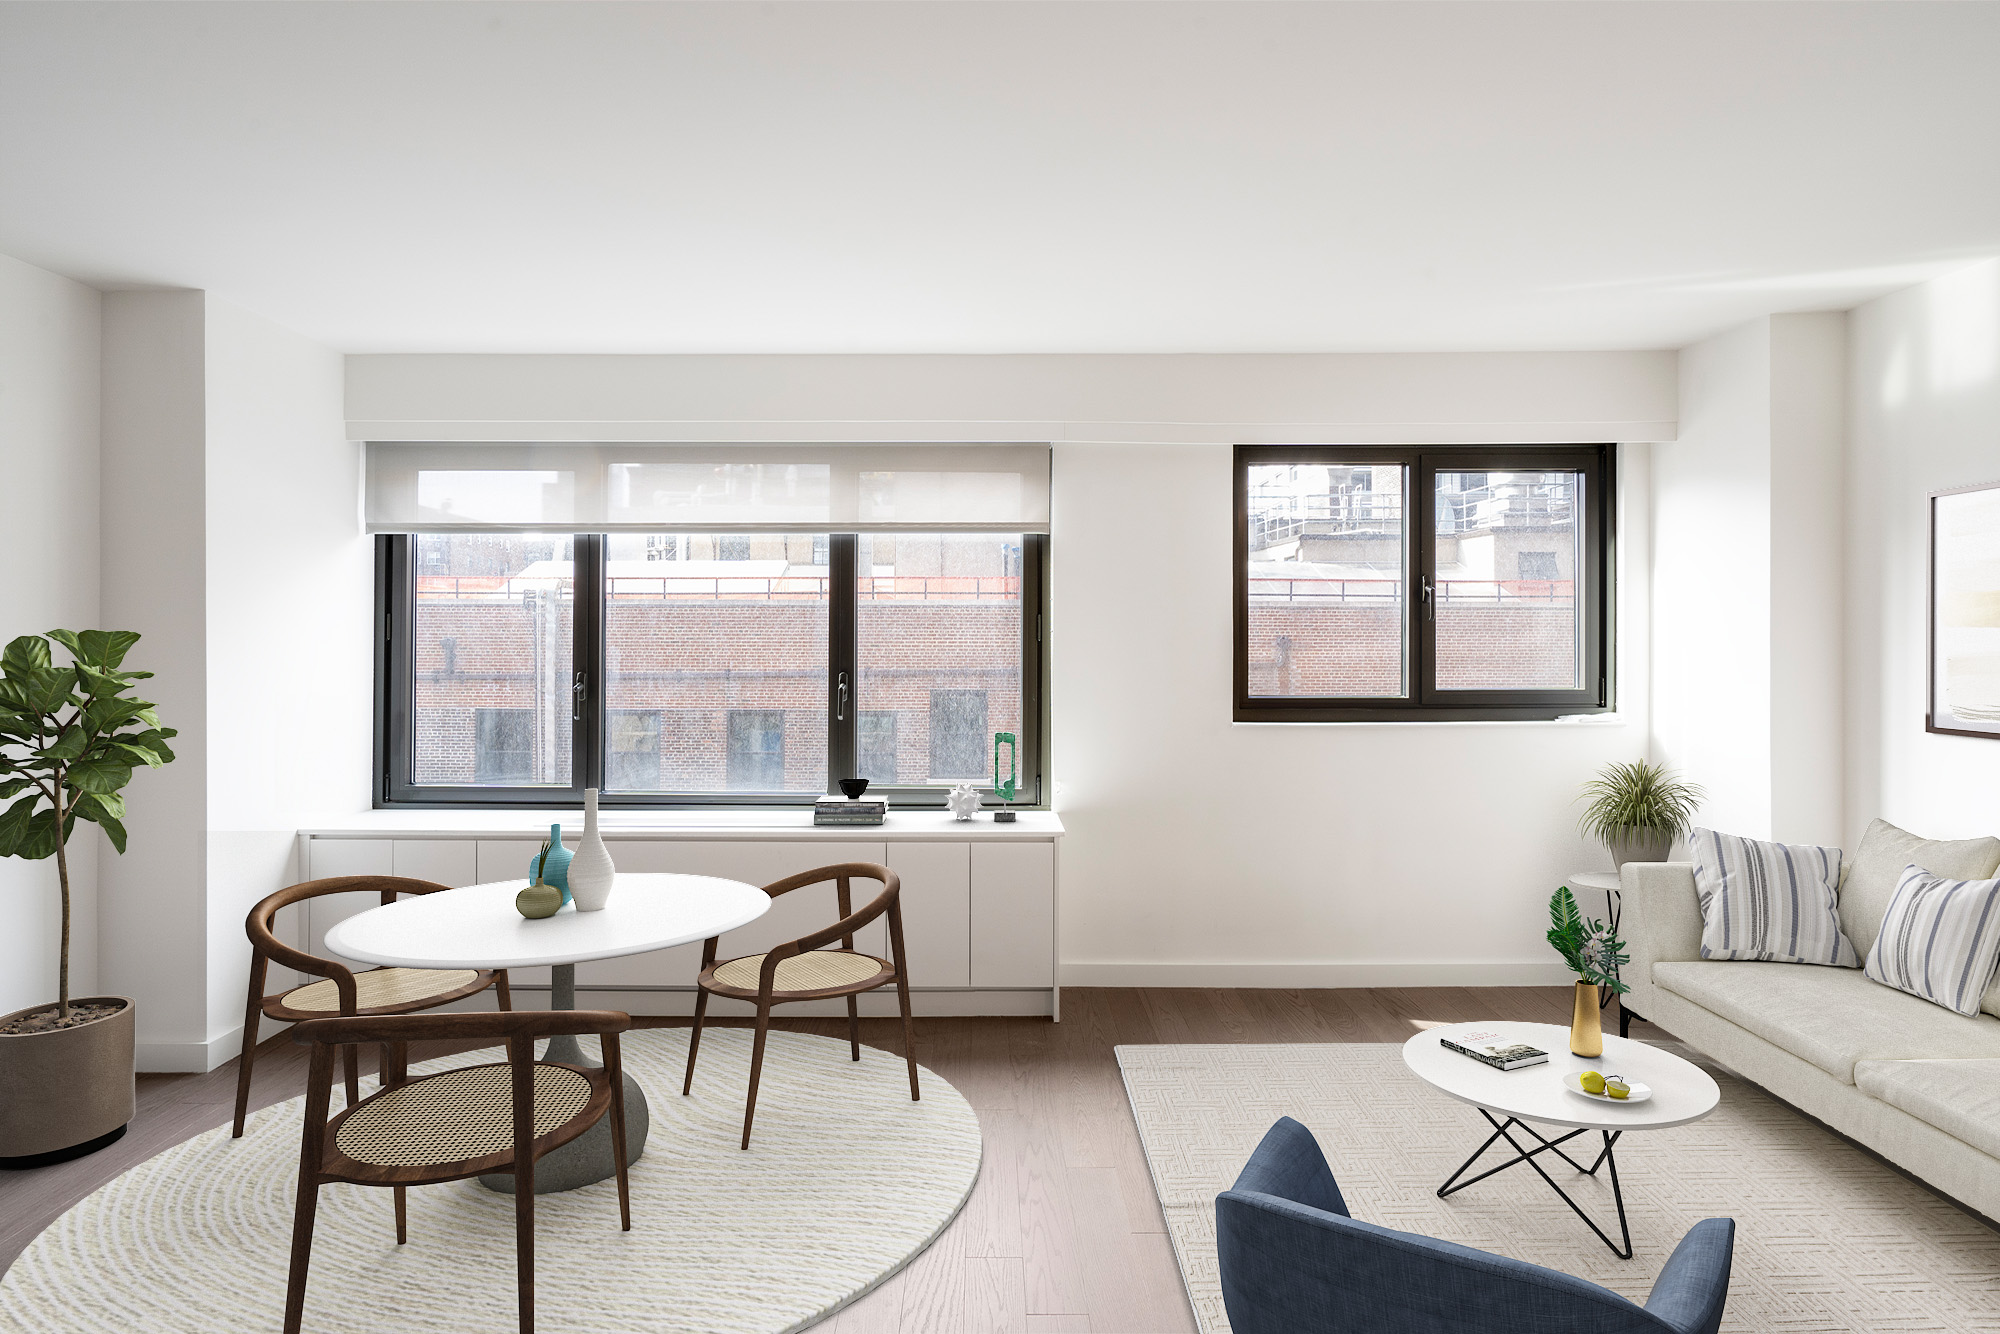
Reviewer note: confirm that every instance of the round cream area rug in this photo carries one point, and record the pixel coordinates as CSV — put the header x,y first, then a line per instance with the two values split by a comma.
x,y
846,1180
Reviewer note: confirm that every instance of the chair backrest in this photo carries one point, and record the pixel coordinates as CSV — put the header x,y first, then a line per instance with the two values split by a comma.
x,y
851,920
1294,1267
258,924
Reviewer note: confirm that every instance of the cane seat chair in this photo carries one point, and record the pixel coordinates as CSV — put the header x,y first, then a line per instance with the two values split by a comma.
x,y
803,969
340,990
472,1121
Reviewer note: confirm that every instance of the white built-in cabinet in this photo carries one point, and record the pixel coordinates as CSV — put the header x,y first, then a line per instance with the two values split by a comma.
x,y
979,901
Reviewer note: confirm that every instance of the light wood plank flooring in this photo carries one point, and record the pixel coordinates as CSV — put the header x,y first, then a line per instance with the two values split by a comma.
x,y
1062,1233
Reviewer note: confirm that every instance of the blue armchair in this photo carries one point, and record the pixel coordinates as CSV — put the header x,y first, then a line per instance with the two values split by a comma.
x,y
1294,1262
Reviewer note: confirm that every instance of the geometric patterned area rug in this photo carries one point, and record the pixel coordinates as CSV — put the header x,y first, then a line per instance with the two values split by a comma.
x,y
1827,1238
846,1180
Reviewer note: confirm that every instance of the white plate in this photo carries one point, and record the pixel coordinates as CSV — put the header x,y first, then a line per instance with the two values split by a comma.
x,y
1640,1092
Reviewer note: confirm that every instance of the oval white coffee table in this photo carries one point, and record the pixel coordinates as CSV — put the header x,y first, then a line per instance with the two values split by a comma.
x,y
477,927
1682,1092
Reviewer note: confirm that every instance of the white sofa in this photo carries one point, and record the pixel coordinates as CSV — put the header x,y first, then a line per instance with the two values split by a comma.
x,y
1913,1081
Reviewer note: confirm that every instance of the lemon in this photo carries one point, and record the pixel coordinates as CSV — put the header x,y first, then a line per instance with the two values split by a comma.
x,y
1617,1087
1592,1081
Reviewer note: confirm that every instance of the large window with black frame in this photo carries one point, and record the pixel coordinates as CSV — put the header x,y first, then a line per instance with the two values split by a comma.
x,y
1423,584
706,668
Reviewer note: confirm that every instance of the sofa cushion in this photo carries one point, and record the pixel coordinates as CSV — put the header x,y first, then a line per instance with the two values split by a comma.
x,y
1940,940
1832,1017
1877,868
1961,1098
1771,901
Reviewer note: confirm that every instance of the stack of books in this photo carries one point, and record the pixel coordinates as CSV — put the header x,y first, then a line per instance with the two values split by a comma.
x,y
841,811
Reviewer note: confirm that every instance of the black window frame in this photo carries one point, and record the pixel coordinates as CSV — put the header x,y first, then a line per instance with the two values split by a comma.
x,y
1424,702
395,691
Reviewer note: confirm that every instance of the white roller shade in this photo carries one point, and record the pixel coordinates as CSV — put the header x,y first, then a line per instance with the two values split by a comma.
x,y
442,488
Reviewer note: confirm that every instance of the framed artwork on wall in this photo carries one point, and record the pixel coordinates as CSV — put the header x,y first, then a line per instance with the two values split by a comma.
x,y
1965,612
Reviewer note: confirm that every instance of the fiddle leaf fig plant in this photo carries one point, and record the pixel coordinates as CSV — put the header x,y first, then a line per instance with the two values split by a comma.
x,y
70,738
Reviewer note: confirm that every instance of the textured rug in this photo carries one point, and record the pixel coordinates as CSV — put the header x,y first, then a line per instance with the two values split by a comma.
x,y
1827,1238
846,1180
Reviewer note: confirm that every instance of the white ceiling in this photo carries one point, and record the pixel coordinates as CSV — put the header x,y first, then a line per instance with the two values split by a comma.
x,y
1052,177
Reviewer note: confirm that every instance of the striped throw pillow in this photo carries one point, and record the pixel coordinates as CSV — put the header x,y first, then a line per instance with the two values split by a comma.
x,y
1772,901
1940,939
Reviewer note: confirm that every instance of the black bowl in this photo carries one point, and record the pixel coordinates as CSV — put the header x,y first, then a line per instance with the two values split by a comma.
x,y
853,787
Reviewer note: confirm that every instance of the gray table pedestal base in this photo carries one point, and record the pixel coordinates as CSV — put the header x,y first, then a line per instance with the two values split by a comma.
x,y
586,1158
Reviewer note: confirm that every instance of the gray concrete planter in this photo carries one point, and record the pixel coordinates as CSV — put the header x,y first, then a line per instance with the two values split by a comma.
x,y
67,1092
1640,845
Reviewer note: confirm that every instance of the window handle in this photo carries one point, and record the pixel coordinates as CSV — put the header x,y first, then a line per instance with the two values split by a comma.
x,y
840,704
1430,601
576,693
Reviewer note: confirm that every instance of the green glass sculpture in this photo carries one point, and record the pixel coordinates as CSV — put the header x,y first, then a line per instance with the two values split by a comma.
x,y
1005,790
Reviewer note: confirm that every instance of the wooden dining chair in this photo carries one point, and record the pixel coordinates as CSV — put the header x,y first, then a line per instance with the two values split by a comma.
x,y
461,1123
375,991
801,970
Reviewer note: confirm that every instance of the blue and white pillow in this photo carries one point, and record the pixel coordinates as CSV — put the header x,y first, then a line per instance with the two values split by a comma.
x,y
1940,939
1772,901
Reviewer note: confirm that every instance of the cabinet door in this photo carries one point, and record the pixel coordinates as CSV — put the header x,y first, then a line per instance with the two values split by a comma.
x,y
452,862
1013,914
505,859
936,911
344,856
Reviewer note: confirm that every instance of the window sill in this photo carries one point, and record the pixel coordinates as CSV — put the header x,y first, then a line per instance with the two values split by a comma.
x,y
785,824
1569,720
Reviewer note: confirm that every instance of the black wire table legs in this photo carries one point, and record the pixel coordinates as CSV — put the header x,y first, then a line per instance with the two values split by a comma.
x,y
1605,1159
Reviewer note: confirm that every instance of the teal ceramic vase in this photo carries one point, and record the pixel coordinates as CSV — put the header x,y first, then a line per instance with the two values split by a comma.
x,y
556,872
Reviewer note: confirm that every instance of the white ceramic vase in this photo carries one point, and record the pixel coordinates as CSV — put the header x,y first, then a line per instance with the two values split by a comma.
x,y
590,871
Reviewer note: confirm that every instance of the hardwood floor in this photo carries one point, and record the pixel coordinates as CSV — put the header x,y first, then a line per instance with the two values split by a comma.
x,y
1062,1233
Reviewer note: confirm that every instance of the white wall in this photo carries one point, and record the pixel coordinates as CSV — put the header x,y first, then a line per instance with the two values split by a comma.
x,y
1747,568
1247,399
289,611
232,543
1925,416
152,935
1204,852
1201,852
49,347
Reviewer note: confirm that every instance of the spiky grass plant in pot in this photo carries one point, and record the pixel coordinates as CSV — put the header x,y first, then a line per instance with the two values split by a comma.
x,y
1638,809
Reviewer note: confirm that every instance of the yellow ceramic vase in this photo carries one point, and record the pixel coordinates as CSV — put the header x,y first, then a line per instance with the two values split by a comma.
x,y
1586,1031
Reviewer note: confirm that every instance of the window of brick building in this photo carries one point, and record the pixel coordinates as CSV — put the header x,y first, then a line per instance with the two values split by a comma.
x,y
632,755
503,746
958,735
1453,583
756,760
875,747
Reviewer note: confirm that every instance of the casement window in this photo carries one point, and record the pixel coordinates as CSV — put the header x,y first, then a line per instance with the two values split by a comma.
x,y
1452,583
755,654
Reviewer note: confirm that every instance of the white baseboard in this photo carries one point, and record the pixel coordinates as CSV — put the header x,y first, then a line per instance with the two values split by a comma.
x,y
1316,974
189,1058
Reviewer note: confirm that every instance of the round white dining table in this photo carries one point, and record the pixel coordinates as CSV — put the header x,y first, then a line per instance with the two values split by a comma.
x,y
478,927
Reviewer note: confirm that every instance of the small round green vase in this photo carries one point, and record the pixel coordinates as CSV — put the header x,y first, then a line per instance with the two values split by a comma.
x,y
538,900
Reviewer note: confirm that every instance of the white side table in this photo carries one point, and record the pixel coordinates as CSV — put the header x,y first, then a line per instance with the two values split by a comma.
x,y
479,922
1682,1092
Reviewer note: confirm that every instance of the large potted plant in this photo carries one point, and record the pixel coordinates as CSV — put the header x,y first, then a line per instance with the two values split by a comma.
x,y
70,737
1638,810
